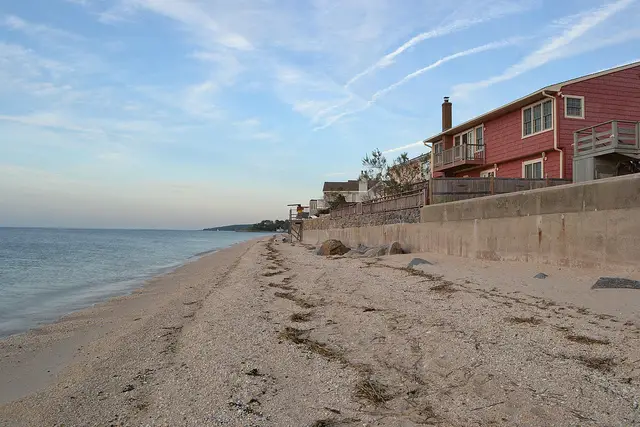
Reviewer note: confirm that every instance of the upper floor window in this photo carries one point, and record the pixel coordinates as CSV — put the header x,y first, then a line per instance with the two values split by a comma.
x,y
574,107
537,118
472,137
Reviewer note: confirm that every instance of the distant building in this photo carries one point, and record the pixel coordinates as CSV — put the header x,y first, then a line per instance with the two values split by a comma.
x,y
354,191
582,129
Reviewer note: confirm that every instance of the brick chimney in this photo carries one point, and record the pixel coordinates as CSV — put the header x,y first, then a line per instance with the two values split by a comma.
x,y
447,115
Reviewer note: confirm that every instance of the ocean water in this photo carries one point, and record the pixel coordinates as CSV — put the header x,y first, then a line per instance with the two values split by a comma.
x,y
46,273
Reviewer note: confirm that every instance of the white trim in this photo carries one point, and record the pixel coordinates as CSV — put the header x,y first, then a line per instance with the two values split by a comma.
x,y
473,138
542,130
531,162
581,98
485,173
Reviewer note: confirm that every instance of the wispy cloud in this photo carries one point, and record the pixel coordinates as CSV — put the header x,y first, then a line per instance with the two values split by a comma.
x,y
383,92
497,11
35,30
404,147
553,49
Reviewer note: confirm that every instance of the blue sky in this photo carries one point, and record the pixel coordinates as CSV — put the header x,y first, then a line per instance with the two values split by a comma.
x,y
194,113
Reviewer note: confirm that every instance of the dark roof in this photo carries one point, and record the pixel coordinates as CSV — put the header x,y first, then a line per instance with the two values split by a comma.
x,y
351,185
522,102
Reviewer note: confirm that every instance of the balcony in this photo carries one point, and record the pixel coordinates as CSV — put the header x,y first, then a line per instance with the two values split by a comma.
x,y
458,157
612,137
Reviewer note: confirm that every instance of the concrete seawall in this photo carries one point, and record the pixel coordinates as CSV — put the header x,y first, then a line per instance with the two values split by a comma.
x,y
586,224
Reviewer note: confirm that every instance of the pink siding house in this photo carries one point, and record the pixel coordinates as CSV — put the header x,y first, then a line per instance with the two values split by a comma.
x,y
591,122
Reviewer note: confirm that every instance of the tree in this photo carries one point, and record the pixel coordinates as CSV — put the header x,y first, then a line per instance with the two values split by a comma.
x,y
335,200
396,178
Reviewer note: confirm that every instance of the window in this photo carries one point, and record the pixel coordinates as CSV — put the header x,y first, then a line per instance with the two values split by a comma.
x,y
537,118
479,138
474,137
437,147
488,173
574,107
532,169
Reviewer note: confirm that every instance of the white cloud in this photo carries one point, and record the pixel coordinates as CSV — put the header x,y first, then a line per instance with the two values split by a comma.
x,y
554,49
494,11
404,147
383,92
42,32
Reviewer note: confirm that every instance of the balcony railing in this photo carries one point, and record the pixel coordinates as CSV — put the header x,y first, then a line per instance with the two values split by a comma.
x,y
459,155
615,136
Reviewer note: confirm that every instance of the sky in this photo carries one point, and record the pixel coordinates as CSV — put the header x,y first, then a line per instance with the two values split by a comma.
x,y
187,114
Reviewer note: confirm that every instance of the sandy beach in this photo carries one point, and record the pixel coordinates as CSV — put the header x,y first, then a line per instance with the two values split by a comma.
x,y
269,334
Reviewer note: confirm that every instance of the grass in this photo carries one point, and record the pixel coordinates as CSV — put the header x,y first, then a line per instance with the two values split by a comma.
x,y
533,321
372,391
581,339
299,336
301,317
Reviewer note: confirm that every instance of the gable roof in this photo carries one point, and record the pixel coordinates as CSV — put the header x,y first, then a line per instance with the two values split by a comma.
x,y
524,101
351,185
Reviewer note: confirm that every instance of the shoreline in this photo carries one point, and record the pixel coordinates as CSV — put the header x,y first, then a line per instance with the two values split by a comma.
x,y
268,333
121,288
70,332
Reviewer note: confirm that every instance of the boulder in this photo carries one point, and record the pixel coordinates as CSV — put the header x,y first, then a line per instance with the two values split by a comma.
x,y
332,247
540,276
395,249
616,283
418,261
376,252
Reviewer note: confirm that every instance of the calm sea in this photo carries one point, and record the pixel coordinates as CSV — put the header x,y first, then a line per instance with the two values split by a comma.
x,y
46,273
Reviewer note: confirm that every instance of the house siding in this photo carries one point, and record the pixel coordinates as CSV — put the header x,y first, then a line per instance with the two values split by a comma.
x,y
614,96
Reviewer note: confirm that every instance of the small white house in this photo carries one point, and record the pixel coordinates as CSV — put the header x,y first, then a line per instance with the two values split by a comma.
x,y
354,191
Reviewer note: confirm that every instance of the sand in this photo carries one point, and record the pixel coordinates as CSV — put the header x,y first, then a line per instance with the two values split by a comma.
x,y
269,334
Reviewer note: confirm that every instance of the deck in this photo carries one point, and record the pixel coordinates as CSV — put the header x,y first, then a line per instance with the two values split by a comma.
x,y
458,157
612,137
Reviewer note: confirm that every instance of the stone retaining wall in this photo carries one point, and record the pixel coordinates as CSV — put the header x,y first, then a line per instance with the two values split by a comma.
x,y
405,216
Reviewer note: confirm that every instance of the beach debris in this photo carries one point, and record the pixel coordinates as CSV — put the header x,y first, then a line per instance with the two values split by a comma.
x,y
253,373
418,261
373,392
540,276
616,283
301,317
128,388
332,247
534,321
581,339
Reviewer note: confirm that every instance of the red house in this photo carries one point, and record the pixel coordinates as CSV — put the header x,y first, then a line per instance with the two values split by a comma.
x,y
591,122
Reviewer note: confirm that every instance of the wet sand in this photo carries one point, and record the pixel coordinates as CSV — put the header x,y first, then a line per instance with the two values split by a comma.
x,y
269,334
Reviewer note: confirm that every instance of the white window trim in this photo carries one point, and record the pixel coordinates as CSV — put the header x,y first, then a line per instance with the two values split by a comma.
x,y
566,104
530,162
473,131
553,119
485,173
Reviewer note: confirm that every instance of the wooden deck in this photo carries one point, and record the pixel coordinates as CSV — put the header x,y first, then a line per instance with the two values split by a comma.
x,y
458,157
612,137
